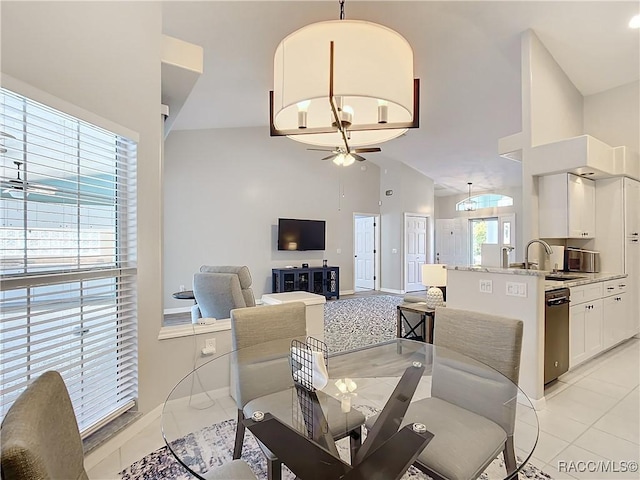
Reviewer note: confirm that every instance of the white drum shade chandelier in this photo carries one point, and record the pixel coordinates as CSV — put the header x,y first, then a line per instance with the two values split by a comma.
x,y
342,84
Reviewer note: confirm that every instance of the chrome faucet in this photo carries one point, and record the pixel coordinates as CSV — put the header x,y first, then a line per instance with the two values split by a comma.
x,y
547,249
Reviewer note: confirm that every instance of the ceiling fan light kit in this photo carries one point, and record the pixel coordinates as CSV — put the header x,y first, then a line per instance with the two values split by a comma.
x,y
342,84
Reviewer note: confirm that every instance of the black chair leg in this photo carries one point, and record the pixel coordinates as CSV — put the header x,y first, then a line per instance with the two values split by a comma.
x,y
510,457
274,469
355,441
237,448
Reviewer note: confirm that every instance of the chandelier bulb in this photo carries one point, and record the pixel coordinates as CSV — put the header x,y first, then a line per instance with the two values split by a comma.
x,y
383,111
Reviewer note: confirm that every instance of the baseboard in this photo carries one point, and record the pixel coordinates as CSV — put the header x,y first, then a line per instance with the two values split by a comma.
x,y
347,292
170,311
391,290
538,404
113,444
118,440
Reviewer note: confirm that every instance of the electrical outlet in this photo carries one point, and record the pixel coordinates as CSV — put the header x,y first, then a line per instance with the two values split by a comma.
x,y
486,286
516,289
209,346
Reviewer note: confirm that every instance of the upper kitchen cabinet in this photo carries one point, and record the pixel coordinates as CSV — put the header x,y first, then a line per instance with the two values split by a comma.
x,y
566,206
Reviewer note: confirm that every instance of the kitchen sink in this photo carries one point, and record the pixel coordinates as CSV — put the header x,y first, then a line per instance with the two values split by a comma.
x,y
564,278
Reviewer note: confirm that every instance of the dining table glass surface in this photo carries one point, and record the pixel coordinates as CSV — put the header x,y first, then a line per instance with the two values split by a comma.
x,y
378,379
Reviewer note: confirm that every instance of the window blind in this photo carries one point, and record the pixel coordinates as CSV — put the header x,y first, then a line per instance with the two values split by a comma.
x,y
68,258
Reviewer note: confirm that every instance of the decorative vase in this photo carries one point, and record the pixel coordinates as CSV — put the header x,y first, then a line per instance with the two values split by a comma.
x,y
434,298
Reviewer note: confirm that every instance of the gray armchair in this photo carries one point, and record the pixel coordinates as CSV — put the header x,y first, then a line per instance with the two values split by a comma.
x,y
472,426
218,290
264,386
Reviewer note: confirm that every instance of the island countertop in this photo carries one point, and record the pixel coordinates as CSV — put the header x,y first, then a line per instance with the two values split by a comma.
x,y
584,278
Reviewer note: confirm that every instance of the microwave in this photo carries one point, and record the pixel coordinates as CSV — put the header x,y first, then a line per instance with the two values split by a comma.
x,y
578,260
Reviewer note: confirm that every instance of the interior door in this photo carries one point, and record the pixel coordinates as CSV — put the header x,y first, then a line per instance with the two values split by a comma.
x,y
415,252
452,241
365,253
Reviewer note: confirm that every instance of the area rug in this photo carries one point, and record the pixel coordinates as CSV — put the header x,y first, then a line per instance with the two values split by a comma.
x,y
356,322
219,438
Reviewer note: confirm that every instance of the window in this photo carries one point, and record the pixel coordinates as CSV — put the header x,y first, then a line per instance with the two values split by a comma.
x,y
486,200
484,231
68,259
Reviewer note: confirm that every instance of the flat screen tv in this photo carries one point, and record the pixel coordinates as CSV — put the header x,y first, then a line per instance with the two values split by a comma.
x,y
294,234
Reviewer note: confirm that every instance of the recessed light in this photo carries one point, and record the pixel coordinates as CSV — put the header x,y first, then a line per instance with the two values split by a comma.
x,y
635,22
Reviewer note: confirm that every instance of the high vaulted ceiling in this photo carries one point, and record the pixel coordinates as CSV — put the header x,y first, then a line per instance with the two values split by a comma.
x,y
466,54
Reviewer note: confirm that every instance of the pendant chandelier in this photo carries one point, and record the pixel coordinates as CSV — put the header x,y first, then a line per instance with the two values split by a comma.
x,y
469,205
343,83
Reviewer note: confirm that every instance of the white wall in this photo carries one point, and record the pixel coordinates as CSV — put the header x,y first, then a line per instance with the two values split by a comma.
x,y
225,190
612,116
552,109
556,104
105,58
412,193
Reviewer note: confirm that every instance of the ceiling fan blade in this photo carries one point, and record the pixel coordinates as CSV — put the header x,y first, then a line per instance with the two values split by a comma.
x,y
367,150
357,157
322,149
330,157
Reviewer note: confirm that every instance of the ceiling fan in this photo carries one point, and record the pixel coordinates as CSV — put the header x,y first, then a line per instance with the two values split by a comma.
x,y
345,155
17,186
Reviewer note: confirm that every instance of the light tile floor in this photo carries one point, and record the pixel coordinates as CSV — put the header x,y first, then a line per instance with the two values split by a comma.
x,y
592,415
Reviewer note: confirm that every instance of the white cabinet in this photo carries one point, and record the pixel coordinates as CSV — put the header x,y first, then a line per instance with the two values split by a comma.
x,y
632,208
632,252
618,240
566,204
615,313
585,323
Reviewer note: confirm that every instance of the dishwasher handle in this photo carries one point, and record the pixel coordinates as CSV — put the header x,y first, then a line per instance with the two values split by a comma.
x,y
554,302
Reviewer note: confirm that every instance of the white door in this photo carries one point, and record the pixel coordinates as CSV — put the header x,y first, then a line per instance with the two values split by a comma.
x,y
452,241
415,252
365,253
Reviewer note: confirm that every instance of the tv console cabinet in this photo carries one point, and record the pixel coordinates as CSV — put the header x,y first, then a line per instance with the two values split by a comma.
x,y
319,280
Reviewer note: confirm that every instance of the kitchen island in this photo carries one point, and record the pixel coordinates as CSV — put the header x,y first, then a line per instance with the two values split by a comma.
x,y
518,293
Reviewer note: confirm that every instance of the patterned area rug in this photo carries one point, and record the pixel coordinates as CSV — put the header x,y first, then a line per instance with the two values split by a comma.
x,y
355,322
220,437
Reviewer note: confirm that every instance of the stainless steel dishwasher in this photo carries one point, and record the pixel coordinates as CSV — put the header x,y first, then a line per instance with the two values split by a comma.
x,y
556,333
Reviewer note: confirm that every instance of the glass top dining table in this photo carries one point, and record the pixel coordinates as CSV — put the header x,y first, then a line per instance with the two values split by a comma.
x,y
380,380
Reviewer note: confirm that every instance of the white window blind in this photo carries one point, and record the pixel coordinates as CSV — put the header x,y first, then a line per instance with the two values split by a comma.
x,y
68,259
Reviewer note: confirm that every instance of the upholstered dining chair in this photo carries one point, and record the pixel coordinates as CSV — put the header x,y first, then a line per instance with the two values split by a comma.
x,y
265,386
39,437
470,413
219,289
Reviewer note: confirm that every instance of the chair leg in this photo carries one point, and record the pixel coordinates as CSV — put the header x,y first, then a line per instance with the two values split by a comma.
x,y
274,469
355,441
510,457
237,448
